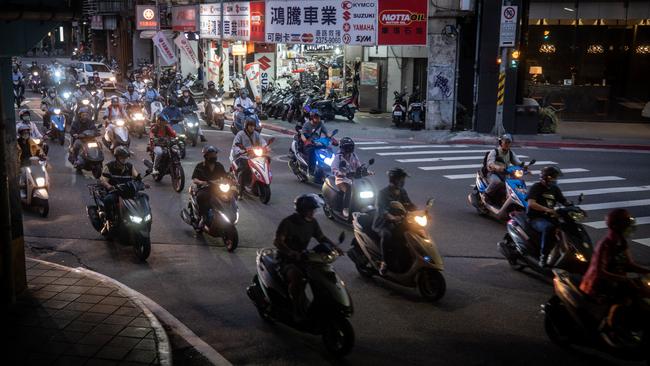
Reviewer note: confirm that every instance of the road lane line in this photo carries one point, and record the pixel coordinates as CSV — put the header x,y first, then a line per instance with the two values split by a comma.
x,y
645,241
590,192
444,167
425,160
468,176
401,147
617,204
589,179
431,152
370,142
602,224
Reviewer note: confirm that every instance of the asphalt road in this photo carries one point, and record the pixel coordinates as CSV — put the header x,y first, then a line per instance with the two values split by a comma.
x,y
489,316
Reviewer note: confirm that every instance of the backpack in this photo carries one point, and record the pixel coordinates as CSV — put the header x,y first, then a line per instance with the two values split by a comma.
x,y
484,169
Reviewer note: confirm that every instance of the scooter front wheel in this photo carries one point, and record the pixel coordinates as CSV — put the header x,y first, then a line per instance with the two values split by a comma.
x,y
231,239
141,246
338,336
264,192
431,284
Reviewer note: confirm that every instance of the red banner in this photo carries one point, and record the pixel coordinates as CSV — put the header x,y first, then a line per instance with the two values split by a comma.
x,y
257,21
402,22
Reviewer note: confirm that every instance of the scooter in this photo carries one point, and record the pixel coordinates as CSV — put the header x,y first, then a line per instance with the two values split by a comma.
x,y
34,194
170,163
399,108
35,82
417,263
324,156
573,317
218,111
416,111
362,195
91,154
223,214
573,246
57,125
136,119
191,125
132,221
118,137
515,197
259,163
237,126
326,301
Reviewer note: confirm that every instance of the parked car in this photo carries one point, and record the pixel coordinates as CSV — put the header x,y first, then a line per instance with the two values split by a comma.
x,y
86,69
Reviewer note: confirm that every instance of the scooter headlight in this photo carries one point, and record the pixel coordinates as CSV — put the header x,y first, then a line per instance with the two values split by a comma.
x,y
57,110
119,122
576,216
92,144
213,100
580,257
258,151
37,141
224,187
327,159
518,174
35,73
138,116
57,74
66,95
147,218
366,194
112,78
40,182
85,102
421,220
135,219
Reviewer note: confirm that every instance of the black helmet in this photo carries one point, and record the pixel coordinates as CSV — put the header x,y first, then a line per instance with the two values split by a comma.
x,y
505,137
121,152
619,220
346,145
185,89
209,149
396,173
550,172
84,110
306,202
130,86
210,84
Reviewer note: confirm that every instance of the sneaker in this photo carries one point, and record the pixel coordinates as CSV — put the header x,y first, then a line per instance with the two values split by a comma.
x,y
155,172
383,268
346,212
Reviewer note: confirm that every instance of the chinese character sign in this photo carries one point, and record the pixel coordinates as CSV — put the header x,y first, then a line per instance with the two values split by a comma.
x,y
402,22
307,21
236,21
257,21
210,21
359,21
184,18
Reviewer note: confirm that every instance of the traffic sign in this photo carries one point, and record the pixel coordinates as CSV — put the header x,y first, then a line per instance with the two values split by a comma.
x,y
508,30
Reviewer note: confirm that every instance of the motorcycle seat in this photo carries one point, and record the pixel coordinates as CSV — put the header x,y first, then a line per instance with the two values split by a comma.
x,y
366,220
331,183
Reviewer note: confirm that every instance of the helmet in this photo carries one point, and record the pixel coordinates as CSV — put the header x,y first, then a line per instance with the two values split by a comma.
x,y
395,173
619,220
130,86
210,84
306,202
185,89
209,149
250,121
24,127
24,112
121,152
550,171
346,145
82,85
505,137
243,92
115,99
84,110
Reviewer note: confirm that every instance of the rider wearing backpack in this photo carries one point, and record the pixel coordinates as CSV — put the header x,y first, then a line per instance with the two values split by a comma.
x,y
495,163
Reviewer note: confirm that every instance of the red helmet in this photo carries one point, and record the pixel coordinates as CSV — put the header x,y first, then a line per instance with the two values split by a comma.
x,y
619,220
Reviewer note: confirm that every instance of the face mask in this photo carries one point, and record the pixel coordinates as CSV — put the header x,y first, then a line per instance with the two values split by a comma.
x,y
211,160
121,161
401,183
629,231
25,118
52,95
24,136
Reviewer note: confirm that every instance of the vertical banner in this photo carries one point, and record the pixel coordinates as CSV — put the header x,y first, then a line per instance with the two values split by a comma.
x,y
185,18
210,21
252,71
165,47
236,21
257,21
359,22
402,22
267,67
185,47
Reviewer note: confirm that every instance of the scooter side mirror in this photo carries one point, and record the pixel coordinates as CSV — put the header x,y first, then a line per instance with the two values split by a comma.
x,y
341,237
532,162
581,198
335,132
371,161
429,203
270,141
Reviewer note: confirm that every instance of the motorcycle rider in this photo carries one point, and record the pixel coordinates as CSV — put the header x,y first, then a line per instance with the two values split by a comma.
x,y
312,130
607,273
209,93
496,162
96,79
150,95
392,204
292,239
138,83
82,93
116,172
204,172
542,198
131,96
83,123
18,80
26,147
245,139
113,112
352,163
52,100
34,68
242,102
160,130
26,120
186,102
171,111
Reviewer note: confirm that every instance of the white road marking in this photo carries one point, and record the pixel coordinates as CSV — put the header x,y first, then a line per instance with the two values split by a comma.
x,y
468,176
602,224
469,166
446,158
617,204
370,142
431,152
589,192
589,179
606,150
406,147
645,241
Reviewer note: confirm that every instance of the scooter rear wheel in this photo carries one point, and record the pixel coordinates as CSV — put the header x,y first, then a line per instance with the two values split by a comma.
x,y
338,336
431,284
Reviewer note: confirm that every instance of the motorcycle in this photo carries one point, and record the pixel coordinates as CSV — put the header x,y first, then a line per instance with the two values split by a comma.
x,y
97,103
57,125
218,111
399,108
35,82
136,114
326,301
573,317
324,156
223,214
237,122
515,197
333,106
170,163
91,154
118,137
259,163
34,193
362,195
572,250
416,264
191,125
416,111
132,221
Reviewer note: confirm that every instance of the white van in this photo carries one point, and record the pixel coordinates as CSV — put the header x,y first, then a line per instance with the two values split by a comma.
x,y
86,69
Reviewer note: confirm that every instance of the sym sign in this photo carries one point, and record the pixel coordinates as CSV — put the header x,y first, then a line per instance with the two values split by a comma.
x,y
147,17
185,18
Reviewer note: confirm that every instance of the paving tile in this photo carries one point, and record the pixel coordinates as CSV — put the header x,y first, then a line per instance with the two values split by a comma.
x,y
141,355
92,317
84,350
67,360
104,309
66,296
68,336
118,319
99,290
41,358
128,310
149,344
93,299
125,342
73,274
100,362
67,314
95,339
110,329
55,323
43,295
113,353
80,326
133,363
114,300
55,304
75,289
55,288
140,322
55,273
65,281
53,347
79,306
87,282
139,332
45,280
36,271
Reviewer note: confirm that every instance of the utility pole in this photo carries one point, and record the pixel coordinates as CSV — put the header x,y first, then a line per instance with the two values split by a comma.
x,y
507,39
220,46
156,62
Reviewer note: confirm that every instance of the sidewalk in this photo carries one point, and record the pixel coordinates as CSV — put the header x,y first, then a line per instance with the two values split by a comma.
x,y
75,317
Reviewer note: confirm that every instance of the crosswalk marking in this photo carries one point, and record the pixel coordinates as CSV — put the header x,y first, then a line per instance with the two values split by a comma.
x,y
589,192
426,152
426,160
403,147
473,175
602,224
617,204
370,142
645,241
589,179
468,166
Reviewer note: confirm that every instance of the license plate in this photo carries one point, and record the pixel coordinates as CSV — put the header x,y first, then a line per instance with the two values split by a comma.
x,y
397,113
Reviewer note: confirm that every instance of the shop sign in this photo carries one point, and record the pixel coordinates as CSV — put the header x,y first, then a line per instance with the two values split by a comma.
x,y
307,21
165,47
97,22
210,21
402,22
266,61
184,45
359,22
257,21
252,71
146,17
238,50
185,18
236,21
